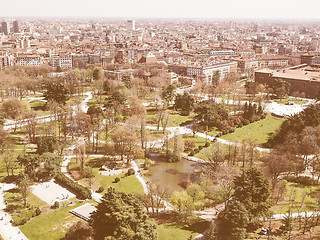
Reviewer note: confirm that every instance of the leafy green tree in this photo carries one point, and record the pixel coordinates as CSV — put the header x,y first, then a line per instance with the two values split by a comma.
x,y
23,187
121,216
210,114
126,81
58,92
183,202
168,93
184,102
116,101
51,162
79,231
252,189
280,88
97,73
46,144
30,162
233,221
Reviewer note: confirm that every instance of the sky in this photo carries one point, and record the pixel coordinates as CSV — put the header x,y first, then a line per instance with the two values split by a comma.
x,y
229,9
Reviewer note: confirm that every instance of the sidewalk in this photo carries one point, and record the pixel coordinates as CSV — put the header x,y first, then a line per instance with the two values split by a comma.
x,y
7,230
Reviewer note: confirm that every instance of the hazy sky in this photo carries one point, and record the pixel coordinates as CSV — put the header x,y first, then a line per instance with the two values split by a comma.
x,y
292,9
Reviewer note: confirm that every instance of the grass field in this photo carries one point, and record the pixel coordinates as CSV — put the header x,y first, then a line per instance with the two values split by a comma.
x,y
297,191
52,224
175,119
168,232
127,184
295,100
259,132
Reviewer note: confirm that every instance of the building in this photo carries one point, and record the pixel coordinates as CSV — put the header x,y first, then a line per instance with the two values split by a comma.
x,y
61,60
28,60
310,59
4,28
247,65
148,58
16,26
131,25
207,72
4,62
302,78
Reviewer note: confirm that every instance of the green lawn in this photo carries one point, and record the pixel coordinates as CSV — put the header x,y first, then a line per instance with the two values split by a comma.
x,y
203,152
175,118
199,141
168,232
259,131
37,104
310,202
127,184
52,224
295,100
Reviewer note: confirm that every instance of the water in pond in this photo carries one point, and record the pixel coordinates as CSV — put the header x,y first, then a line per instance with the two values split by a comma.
x,y
169,175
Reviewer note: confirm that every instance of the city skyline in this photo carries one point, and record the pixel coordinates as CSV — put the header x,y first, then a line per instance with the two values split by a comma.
x,y
202,9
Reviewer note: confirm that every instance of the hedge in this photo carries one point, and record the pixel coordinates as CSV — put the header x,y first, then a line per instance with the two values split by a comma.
x,y
81,191
303,180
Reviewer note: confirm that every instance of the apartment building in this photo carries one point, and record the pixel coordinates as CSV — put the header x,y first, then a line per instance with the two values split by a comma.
x,y
61,60
28,60
4,62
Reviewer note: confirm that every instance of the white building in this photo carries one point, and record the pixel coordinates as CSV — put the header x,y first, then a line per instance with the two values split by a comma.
x,y
63,61
28,60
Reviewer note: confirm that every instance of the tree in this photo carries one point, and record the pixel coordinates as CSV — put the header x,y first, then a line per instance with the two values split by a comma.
x,y
46,144
10,162
79,231
23,186
57,92
233,221
14,109
126,143
184,102
280,88
253,190
97,73
183,202
214,158
32,125
4,139
120,216
51,162
168,93
30,162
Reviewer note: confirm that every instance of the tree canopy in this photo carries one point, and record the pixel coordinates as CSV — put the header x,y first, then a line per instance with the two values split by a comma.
x,y
121,216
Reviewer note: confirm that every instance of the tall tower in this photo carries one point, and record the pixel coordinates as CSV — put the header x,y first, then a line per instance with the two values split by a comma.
x,y
16,26
131,25
4,28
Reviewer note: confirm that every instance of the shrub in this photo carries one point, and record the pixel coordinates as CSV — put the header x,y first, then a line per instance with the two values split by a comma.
x,y
37,211
101,189
189,145
303,180
55,205
81,191
191,153
173,157
200,147
207,144
196,150
131,171
116,180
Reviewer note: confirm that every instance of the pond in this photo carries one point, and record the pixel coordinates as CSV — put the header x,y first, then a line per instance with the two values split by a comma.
x,y
170,175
